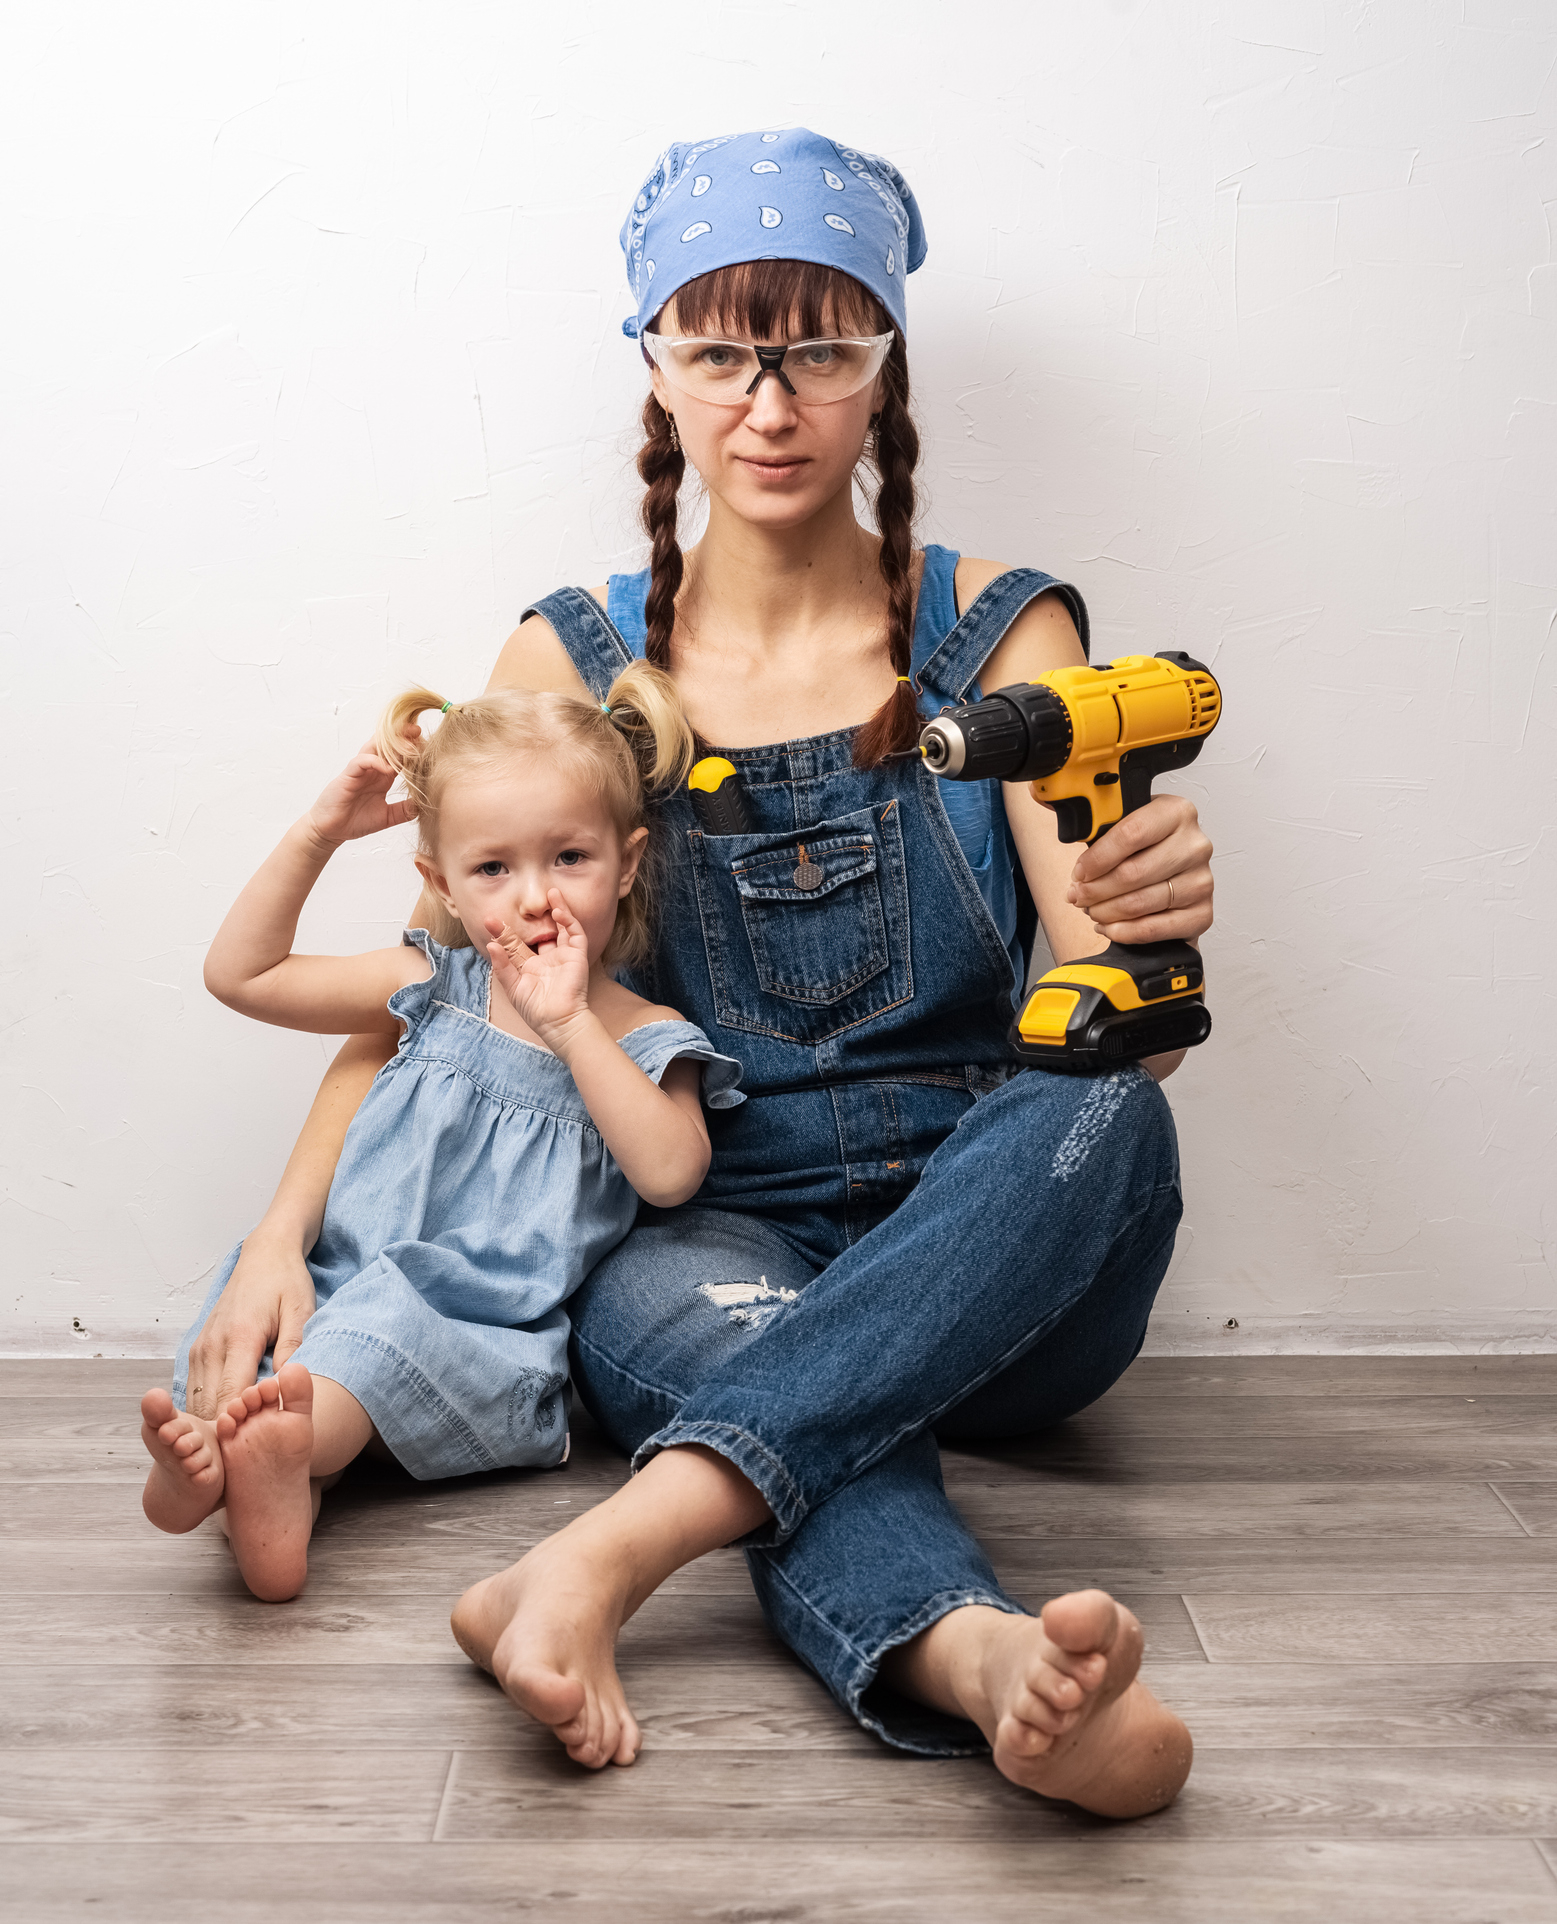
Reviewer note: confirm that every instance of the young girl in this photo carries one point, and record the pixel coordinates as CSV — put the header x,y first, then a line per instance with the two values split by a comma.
x,y
502,1150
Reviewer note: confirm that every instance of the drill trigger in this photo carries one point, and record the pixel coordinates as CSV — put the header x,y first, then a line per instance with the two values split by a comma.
x,y
1074,815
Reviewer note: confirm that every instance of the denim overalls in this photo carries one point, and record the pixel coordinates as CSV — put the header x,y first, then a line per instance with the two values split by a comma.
x,y
898,1233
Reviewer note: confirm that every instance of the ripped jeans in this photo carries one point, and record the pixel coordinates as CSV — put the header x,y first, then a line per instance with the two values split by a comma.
x,y
1007,1291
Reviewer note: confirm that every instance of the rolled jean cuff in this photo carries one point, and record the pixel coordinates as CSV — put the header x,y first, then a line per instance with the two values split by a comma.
x,y
898,1720
754,1461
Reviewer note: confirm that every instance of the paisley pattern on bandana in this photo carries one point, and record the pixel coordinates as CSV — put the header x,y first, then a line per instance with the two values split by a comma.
x,y
788,195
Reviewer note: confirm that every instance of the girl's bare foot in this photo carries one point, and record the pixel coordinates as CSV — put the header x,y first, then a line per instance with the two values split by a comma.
x,y
1059,1700
185,1484
267,1438
546,1629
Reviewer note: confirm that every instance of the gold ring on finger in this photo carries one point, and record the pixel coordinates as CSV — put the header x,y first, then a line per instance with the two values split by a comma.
x,y
1170,897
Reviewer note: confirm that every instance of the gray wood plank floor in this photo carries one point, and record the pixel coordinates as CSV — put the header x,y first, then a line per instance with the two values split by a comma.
x,y
1347,1570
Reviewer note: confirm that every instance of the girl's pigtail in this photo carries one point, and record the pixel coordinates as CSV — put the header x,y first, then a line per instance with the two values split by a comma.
x,y
647,710
404,754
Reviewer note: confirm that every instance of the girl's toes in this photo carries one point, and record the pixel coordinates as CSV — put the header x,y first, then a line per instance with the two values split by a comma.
x,y
226,1426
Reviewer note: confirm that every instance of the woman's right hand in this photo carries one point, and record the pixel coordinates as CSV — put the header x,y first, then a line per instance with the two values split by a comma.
x,y
268,1299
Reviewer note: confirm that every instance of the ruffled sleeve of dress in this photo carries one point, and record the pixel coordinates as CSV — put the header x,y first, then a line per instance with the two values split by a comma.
x,y
414,1002
657,1045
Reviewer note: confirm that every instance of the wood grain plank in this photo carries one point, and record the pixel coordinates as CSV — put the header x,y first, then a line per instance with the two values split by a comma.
x,y
494,1508
1326,1630
1087,1447
383,1630
1306,1706
1199,1415
1001,1502
1499,1791
1435,1375
70,1419
1214,1376
75,1375
1122,1876
726,1705
30,1426
707,1706
676,1626
200,1565
1534,1504
1339,1565
998,1501
320,1791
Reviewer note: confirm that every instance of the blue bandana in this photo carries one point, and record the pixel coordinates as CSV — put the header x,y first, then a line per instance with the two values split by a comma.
x,y
790,196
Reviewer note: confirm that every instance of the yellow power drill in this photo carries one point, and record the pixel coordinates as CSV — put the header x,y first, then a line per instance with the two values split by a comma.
x,y
1090,741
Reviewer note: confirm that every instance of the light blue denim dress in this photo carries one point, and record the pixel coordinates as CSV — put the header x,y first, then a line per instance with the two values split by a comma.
x,y
474,1194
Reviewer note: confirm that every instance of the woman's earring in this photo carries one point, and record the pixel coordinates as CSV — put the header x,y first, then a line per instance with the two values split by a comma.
x,y
675,438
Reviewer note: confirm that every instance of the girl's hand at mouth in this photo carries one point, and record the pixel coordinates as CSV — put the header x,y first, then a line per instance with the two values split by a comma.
x,y
548,985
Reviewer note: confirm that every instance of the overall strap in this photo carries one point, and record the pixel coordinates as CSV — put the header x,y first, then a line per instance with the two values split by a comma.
x,y
954,667
595,648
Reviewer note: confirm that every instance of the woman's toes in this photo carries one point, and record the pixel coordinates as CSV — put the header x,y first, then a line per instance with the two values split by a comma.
x,y
1020,1738
1055,1688
1083,1624
1043,1716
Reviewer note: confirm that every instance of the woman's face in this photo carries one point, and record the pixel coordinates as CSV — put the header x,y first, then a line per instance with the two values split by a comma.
x,y
771,461
509,834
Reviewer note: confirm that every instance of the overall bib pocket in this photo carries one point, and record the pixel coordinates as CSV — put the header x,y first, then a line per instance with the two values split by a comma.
x,y
806,931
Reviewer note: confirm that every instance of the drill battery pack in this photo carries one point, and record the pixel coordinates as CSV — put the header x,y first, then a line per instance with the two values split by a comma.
x,y
1086,1018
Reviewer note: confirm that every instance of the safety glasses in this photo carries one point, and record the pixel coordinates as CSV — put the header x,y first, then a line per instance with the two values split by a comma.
x,y
728,373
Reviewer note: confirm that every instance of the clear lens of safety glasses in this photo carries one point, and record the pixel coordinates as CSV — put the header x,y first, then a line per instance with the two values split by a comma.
x,y
729,372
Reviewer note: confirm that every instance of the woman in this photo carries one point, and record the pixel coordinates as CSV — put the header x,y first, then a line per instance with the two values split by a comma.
x,y
899,1236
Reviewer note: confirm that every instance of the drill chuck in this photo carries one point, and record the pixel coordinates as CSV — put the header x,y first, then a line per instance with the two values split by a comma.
x,y
1018,734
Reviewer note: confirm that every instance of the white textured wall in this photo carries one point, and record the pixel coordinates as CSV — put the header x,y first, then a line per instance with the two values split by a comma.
x,y
1240,314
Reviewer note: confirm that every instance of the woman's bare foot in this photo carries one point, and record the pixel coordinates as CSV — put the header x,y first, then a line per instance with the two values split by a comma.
x,y
185,1484
267,1439
546,1629
1059,1700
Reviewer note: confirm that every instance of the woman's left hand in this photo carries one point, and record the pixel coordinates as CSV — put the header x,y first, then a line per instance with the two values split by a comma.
x,y
1149,878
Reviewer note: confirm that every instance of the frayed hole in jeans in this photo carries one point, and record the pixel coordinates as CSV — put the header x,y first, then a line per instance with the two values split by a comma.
x,y
751,1305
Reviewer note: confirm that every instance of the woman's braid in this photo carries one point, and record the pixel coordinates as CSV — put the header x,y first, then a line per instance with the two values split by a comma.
x,y
894,728
661,465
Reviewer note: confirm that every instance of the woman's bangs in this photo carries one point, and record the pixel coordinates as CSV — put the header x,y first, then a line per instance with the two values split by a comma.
x,y
774,300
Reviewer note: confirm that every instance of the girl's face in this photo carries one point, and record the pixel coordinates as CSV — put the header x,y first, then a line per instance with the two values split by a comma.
x,y
772,461
508,834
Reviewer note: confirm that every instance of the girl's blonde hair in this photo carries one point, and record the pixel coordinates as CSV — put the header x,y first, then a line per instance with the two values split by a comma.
x,y
635,744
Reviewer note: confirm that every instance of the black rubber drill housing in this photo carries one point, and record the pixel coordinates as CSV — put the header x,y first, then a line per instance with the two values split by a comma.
x,y
1018,734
